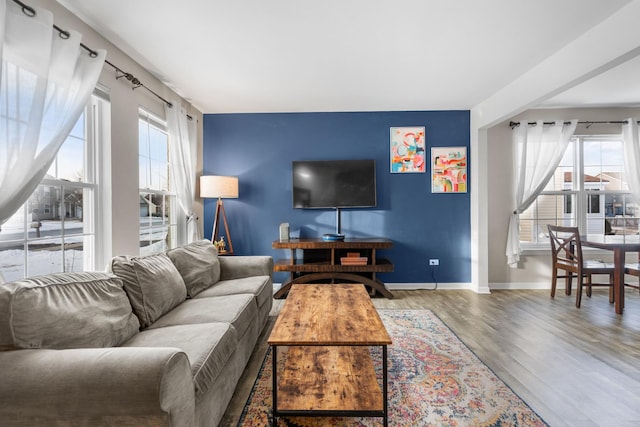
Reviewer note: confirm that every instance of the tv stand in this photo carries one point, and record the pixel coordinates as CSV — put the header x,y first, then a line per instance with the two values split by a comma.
x,y
321,261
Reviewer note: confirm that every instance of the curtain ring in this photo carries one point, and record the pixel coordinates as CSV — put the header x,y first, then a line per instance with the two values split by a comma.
x,y
62,33
28,10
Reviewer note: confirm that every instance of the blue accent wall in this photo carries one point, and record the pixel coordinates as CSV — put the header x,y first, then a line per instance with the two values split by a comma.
x,y
259,149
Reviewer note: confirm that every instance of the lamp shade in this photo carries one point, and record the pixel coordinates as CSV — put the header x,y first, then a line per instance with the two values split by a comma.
x,y
215,186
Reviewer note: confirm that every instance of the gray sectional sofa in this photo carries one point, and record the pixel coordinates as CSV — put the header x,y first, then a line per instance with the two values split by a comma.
x,y
158,341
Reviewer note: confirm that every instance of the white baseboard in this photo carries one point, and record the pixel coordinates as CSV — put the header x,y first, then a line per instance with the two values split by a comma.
x,y
521,286
418,286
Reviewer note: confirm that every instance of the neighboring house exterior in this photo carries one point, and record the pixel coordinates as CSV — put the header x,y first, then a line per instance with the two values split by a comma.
x,y
147,207
606,212
46,203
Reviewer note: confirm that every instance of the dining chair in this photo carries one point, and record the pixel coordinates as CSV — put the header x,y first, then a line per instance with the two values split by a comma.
x,y
633,269
566,255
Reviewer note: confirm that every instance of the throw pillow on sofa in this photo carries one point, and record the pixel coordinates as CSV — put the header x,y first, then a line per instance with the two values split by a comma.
x,y
198,265
153,284
65,310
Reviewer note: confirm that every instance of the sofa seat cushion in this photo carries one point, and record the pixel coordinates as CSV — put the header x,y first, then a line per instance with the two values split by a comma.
x,y
259,286
198,264
153,284
207,345
238,310
65,310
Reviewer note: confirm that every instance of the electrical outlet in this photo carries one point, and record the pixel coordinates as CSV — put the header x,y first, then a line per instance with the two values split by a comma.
x,y
434,261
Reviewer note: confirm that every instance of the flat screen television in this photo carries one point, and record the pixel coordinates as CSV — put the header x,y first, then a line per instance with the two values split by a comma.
x,y
334,184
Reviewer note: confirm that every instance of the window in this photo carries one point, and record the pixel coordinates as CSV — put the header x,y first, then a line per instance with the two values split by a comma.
x,y
588,189
157,203
54,231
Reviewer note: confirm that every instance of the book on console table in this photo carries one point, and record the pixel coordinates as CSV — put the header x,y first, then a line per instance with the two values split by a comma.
x,y
353,260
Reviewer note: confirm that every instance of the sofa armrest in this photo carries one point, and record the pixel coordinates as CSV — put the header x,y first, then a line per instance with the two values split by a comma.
x,y
96,386
237,267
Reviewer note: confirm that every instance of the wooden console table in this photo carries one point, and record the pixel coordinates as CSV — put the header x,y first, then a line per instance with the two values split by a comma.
x,y
320,261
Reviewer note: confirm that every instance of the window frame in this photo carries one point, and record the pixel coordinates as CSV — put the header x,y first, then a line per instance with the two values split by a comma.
x,y
169,196
91,233
578,192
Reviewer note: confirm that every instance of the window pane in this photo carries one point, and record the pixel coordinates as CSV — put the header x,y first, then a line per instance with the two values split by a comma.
x,y
44,257
153,239
13,228
158,145
547,209
604,165
159,179
156,229
42,209
153,157
73,210
74,252
11,258
69,162
562,177
622,214
143,172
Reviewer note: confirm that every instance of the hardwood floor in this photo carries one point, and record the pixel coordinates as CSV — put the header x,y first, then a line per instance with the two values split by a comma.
x,y
574,367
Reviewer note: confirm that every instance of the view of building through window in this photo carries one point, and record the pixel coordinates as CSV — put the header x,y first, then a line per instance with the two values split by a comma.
x,y
157,203
589,189
54,230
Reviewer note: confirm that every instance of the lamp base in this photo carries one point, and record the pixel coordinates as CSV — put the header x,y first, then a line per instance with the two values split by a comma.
x,y
215,234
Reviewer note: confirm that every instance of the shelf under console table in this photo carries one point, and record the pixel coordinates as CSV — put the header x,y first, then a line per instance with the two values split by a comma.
x,y
321,261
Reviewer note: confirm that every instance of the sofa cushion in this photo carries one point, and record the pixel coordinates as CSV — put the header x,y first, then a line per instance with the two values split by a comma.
x,y
239,310
258,286
207,345
198,265
153,284
65,310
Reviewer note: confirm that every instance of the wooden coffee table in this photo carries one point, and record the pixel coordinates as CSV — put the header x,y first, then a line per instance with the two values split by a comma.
x,y
328,371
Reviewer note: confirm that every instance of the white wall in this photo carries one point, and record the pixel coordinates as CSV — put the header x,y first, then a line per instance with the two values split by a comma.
x,y
606,45
123,173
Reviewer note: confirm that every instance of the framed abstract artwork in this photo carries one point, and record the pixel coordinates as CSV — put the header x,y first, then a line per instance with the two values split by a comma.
x,y
407,149
449,169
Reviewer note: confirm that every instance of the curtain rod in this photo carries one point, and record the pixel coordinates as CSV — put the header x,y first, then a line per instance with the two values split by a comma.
x,y
513,124
31,12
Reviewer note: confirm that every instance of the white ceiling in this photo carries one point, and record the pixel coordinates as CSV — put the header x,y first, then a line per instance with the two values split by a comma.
x,y
352,55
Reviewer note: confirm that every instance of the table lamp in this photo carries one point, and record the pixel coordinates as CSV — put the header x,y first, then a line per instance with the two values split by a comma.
x,y
220,187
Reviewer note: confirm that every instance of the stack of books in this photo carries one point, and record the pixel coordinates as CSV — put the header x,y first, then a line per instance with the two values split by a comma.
x,y
353,258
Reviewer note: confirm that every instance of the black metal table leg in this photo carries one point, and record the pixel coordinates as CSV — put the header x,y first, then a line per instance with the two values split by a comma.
x,y
274,378
384,386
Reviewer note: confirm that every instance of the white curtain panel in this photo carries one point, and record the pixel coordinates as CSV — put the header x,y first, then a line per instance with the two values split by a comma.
x,y
183,149
538,151
632,156
46,82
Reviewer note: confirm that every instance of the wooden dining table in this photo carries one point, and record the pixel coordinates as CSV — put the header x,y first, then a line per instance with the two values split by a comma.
x,y
619,244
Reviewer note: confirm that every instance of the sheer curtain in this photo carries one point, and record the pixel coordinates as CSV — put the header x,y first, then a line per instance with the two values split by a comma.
x,y
632,156
182,145
538,151
46,82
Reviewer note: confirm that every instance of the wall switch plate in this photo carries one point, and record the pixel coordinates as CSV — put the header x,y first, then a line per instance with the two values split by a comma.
x,y
434,261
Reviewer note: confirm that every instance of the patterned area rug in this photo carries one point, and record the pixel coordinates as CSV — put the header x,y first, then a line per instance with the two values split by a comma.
x,y
434,380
